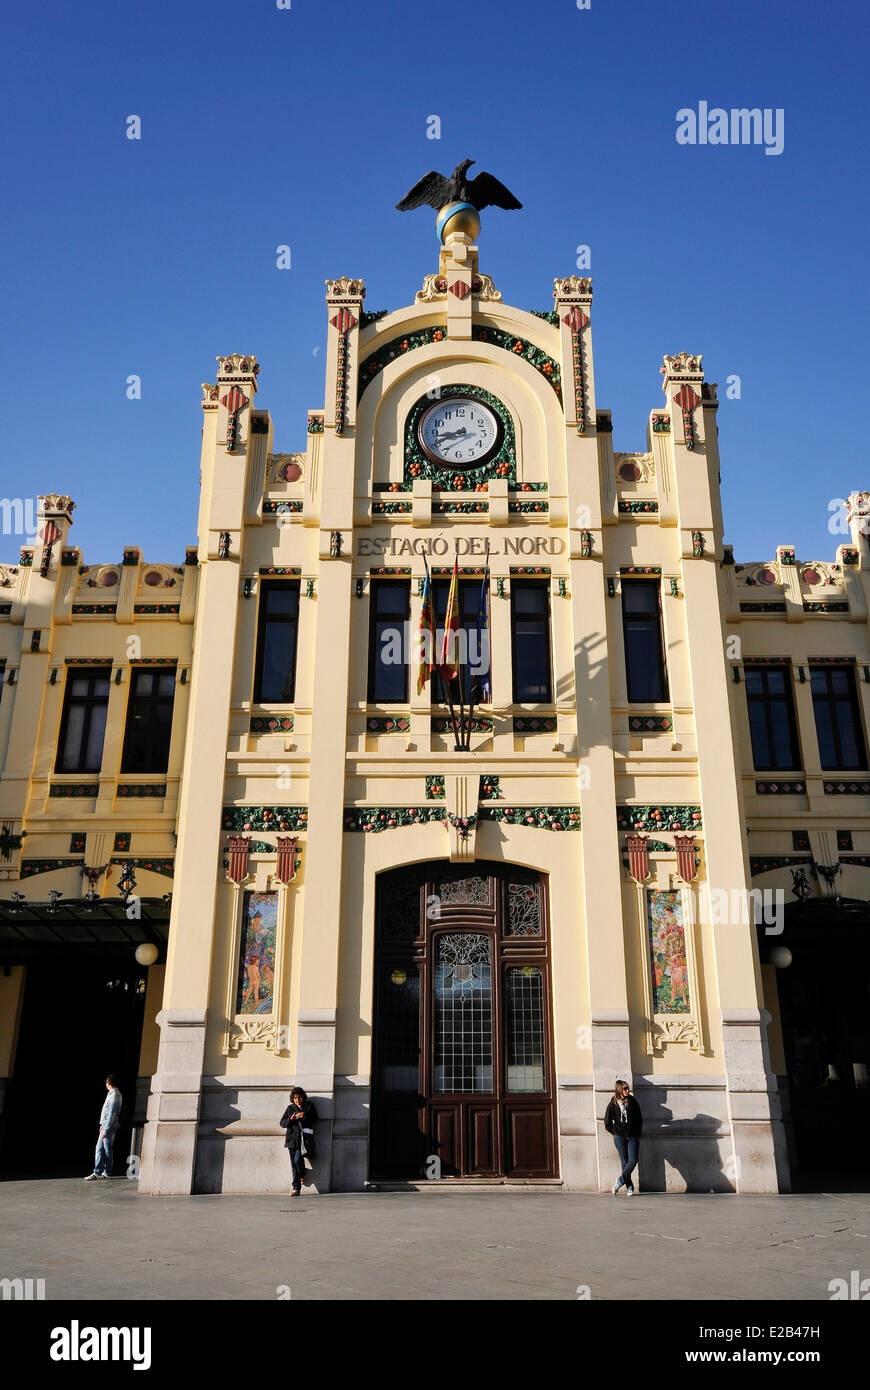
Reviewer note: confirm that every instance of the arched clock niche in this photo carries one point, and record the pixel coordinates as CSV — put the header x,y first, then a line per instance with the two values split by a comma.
x,y
460,440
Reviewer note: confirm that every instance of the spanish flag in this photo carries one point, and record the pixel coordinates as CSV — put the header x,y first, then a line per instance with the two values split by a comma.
x,y
426,637
449,662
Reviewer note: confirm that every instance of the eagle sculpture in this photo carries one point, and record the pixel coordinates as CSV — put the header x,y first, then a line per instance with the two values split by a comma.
x,y
434,189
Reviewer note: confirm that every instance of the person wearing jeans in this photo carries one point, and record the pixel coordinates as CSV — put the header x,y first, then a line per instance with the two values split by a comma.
x,y
110,1119
624,1121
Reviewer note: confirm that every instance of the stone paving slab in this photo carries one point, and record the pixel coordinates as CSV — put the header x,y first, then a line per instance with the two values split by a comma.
x,y
99,1241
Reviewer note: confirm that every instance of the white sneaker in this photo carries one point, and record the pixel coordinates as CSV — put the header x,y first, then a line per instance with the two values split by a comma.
x,y
616,1186
92,1177
105,1175
629,1192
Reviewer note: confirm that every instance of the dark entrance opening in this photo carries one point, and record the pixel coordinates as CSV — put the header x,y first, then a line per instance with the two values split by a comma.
x,y
81,1018
463,1081
824,1000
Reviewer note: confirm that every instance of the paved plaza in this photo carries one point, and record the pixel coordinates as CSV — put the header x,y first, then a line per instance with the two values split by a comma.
x,y
101,1241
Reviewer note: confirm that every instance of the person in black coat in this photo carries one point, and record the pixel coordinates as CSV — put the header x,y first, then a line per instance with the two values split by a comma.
x,y
299,1120
623,1120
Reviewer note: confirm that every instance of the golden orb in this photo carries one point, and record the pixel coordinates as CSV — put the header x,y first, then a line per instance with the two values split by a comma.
x,y
457,217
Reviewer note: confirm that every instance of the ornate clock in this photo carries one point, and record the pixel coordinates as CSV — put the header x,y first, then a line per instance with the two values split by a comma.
x,y
459,432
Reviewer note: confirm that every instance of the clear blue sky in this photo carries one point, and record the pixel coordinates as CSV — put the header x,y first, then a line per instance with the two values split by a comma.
x,y
263,127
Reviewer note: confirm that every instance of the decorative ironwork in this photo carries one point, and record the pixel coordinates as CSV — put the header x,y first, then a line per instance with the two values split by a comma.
x,y
463,1014
524,908
800,887
524,1028
464,890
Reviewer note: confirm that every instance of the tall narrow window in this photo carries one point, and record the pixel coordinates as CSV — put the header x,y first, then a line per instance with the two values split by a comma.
x,y
771,718
838,720
389,618
275,680
149,721
472,647
524,1028
645,669
83,723
530,636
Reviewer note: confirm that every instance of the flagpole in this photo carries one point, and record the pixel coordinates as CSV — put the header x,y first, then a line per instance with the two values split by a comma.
x,y
448,685
460,736
471,690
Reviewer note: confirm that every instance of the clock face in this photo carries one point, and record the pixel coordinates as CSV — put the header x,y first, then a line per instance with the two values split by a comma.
x,y
460,432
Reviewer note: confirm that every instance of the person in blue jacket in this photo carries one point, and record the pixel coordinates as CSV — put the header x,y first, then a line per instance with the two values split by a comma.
x,y
110,1119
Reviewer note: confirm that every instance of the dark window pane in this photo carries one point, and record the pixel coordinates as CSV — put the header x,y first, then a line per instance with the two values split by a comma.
x,y
760,739
389,616
275,680
83,723
838,718
149,722
69,758
644,647
771,719
530,623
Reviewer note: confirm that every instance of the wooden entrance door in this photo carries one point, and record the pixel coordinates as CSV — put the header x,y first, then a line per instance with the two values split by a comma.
x,y
462,1065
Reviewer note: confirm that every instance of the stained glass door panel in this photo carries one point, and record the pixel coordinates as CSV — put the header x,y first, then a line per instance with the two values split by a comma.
x,y
463,1081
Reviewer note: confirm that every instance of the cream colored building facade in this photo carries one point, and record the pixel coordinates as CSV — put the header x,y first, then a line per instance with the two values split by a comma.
x,y
549,791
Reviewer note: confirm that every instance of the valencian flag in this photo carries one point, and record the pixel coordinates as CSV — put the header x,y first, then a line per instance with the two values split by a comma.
x,y
482,684
426,637
449,663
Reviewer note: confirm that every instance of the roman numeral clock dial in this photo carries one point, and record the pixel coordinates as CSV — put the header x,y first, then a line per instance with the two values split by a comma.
x,y
459,432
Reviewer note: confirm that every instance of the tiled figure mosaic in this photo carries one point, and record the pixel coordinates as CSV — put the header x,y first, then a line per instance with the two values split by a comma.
x,y
667,939
257,954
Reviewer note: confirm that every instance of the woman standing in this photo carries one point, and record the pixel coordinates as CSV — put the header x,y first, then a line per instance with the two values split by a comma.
x,y
299,1120
624,1121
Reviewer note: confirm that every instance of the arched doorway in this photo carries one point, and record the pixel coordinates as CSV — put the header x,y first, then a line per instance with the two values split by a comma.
x,y
824,1003
462,1082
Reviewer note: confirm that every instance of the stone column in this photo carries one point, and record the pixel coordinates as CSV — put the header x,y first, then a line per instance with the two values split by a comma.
x,y
753,1103
169,1141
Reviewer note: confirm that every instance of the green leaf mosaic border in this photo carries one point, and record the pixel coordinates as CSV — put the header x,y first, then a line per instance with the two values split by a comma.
x,y
264,818
685,817
535,817
374,364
